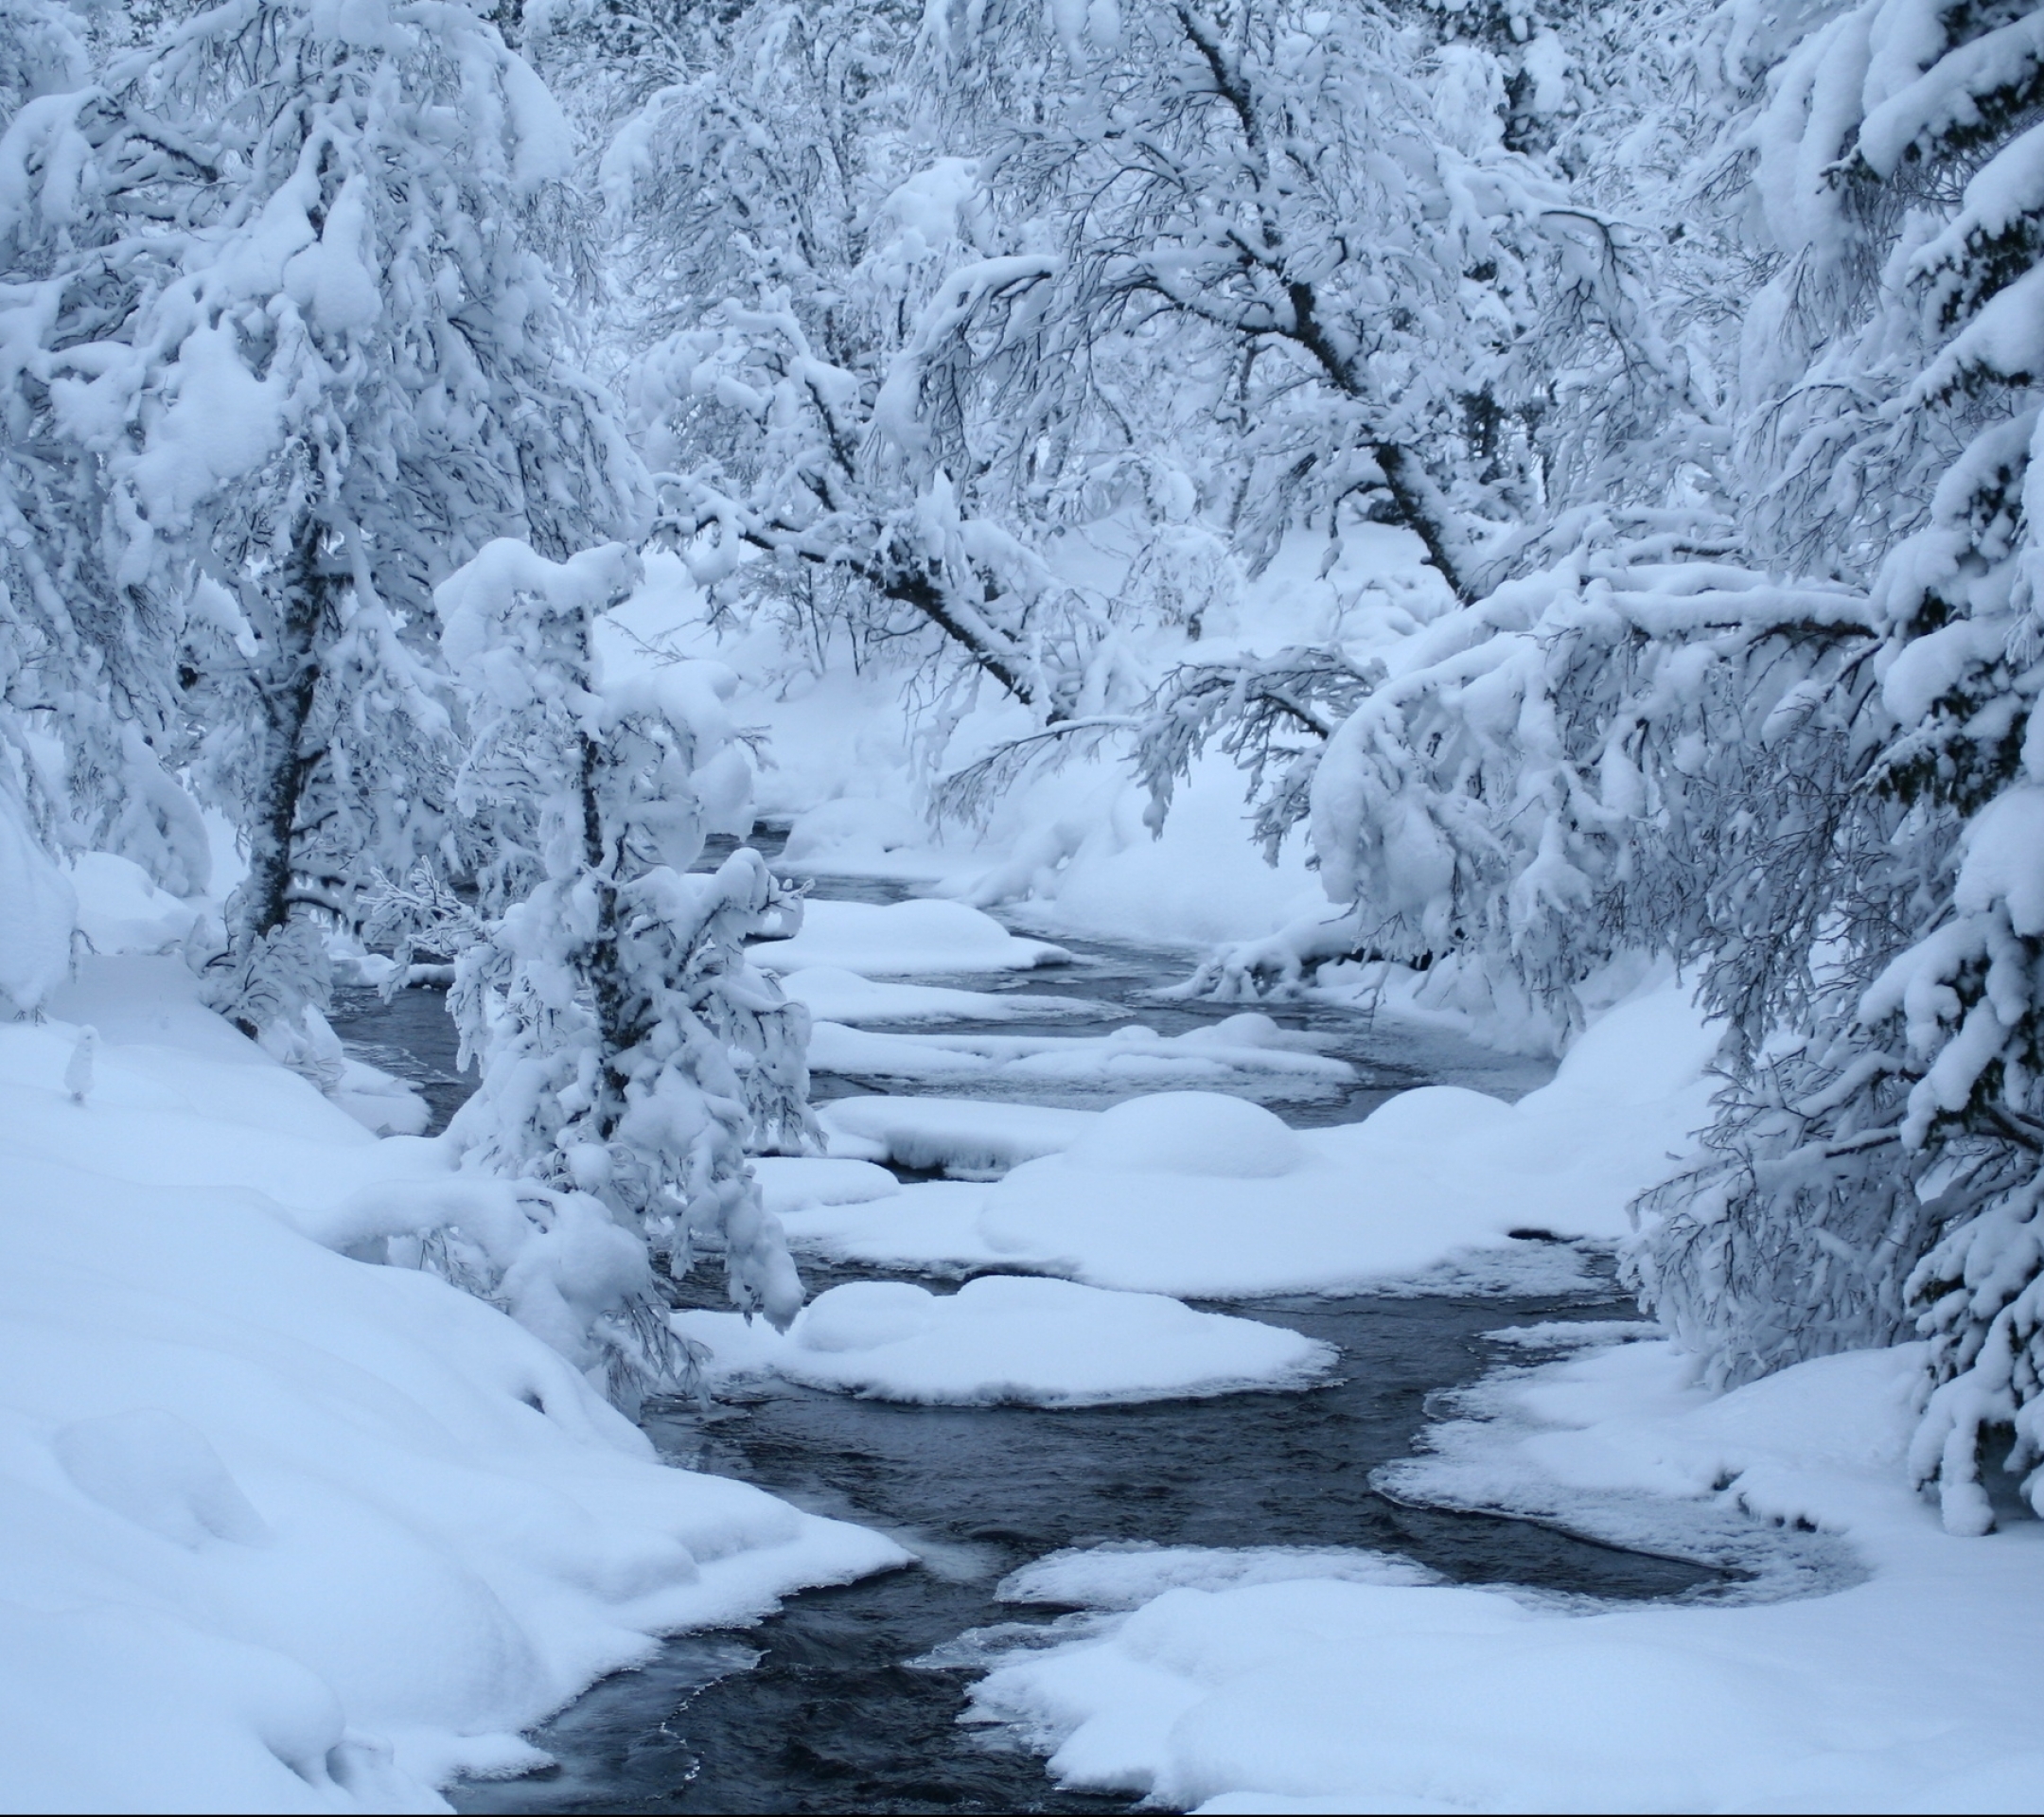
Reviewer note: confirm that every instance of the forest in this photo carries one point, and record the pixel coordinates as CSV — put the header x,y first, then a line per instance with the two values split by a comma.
x,y
626,624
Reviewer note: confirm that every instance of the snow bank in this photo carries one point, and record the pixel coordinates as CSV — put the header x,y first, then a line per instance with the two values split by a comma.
x,y
855,836
903,939
1318,1694
838,995
1201,1195
1078,850
1247,1052
280,1530
122,910
38,910
1012,1339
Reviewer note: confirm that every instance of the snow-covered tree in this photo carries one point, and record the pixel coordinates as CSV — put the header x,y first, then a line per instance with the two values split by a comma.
x,y
830,376
1410,313
1885,1162
629,1054
89,708
339,362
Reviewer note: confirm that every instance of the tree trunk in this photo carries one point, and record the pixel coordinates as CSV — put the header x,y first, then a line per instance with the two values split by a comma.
x,y
288,690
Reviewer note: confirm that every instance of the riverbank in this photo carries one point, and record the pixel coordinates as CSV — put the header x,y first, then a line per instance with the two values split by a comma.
x,y
285,1531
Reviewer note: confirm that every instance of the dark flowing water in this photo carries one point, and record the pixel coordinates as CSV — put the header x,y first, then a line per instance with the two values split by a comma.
x,y
818,1709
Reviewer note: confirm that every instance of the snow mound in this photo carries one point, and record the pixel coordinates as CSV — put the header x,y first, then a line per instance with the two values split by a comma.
x,y
281,1530
1190,1132
1012,1339
794,1183
903,939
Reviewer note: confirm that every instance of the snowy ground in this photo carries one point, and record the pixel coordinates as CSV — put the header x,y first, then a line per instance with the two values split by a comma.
x,y
283,1530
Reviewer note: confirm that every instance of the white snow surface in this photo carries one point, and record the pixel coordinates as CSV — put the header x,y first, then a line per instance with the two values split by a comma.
x,y
837,996
1247,1052
1010,1339
282,1531
38,910
1199,1194
795,1182
122,910
1237,1692
903,940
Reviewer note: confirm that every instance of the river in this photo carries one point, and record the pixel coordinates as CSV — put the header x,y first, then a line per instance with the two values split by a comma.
x,y
825,1707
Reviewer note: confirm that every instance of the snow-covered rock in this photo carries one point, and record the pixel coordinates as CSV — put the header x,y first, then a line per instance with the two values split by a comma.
x,y
903,940
1012,1338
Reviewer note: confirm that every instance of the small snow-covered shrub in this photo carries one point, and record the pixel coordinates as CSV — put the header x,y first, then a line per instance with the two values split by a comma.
x,y
629,1053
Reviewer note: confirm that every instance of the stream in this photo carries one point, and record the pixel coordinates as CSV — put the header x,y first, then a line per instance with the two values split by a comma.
x,y
823,1707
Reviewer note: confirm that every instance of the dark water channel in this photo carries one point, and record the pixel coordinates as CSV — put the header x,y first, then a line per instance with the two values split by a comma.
x,y
818,1709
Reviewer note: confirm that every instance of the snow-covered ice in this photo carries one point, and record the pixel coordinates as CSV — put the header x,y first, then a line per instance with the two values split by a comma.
x,y
1010,1339
966,1137
836,996
1230,1694
285,1530
903,939
1199,1194
1246,1053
